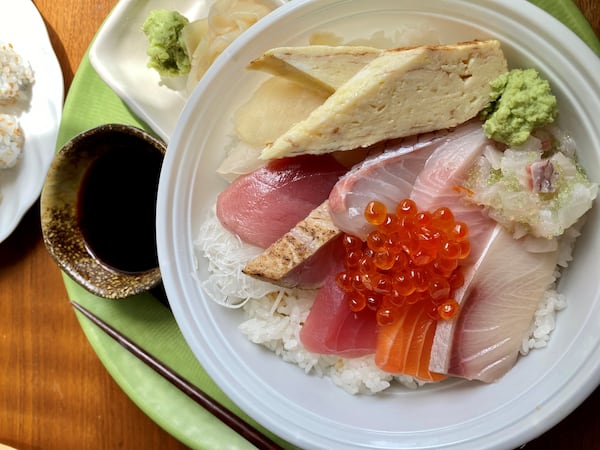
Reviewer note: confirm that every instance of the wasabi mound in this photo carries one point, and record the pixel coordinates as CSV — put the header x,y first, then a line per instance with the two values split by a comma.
x,y
521,102
166,49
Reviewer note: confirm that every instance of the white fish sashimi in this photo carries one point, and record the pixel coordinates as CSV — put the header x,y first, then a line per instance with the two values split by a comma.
x,y
445,170
498,303
504,282
387,177
448,166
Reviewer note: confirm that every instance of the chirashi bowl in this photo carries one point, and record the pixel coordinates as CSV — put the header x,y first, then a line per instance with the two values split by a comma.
x,y
310,411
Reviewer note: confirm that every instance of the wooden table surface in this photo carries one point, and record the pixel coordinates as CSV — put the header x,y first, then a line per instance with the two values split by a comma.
x,y
54,392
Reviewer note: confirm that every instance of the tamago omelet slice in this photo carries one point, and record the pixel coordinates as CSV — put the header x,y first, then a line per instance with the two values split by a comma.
x,y
321,67
402,92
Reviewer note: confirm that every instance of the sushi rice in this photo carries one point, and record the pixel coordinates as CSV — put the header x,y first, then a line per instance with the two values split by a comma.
x,y
16,75
12,141
274,315
16,78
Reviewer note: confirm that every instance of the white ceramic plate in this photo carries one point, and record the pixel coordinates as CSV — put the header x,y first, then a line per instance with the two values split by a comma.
x,y
118,54
309,411
20,186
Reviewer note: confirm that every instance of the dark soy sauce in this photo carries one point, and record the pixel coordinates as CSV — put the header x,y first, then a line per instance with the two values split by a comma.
x,y
117,206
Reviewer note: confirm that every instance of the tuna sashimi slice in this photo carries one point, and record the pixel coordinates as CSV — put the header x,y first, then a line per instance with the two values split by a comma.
x,y
498,303
387,177
331,328
263,205
302,256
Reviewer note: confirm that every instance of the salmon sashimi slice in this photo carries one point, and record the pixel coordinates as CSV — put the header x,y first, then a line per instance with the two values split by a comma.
x,y
331,328
498,303
263,205
404,347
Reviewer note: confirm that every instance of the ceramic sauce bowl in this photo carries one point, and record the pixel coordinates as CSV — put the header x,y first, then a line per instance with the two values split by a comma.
x,y
98,210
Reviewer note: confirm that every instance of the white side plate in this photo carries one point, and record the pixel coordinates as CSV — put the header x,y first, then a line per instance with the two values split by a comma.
x,y
20,186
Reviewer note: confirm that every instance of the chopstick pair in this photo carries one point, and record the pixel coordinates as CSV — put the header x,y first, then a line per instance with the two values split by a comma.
x,y
250,433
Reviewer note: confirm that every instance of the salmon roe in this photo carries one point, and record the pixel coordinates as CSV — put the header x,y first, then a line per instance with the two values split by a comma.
x,y
411,256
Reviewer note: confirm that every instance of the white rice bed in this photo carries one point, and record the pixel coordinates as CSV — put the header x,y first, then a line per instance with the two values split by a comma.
x,y
274,315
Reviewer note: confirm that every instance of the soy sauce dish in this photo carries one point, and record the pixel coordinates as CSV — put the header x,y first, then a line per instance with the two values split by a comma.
x,y
98,210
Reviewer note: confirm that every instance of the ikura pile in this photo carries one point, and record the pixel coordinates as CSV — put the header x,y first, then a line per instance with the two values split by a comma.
x,y
409,266
411,257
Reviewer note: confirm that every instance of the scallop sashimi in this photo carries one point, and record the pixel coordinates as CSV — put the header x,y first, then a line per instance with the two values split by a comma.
x,y
263,205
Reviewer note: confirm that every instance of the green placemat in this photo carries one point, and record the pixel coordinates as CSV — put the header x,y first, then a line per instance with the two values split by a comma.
x,y
90,102
568,13
143,318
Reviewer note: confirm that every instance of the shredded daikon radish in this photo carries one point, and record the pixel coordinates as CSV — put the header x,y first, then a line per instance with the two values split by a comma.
x,y
226,284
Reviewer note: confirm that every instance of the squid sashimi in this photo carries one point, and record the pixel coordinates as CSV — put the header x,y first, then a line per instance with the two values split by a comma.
x,y
498,303
263,205
332,328
387,177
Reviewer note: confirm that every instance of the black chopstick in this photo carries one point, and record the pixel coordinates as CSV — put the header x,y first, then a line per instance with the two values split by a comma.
x,y
250,433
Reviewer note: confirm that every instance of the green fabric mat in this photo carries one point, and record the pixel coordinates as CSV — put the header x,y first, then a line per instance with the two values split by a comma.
x,y
568,13
143,318
90,102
